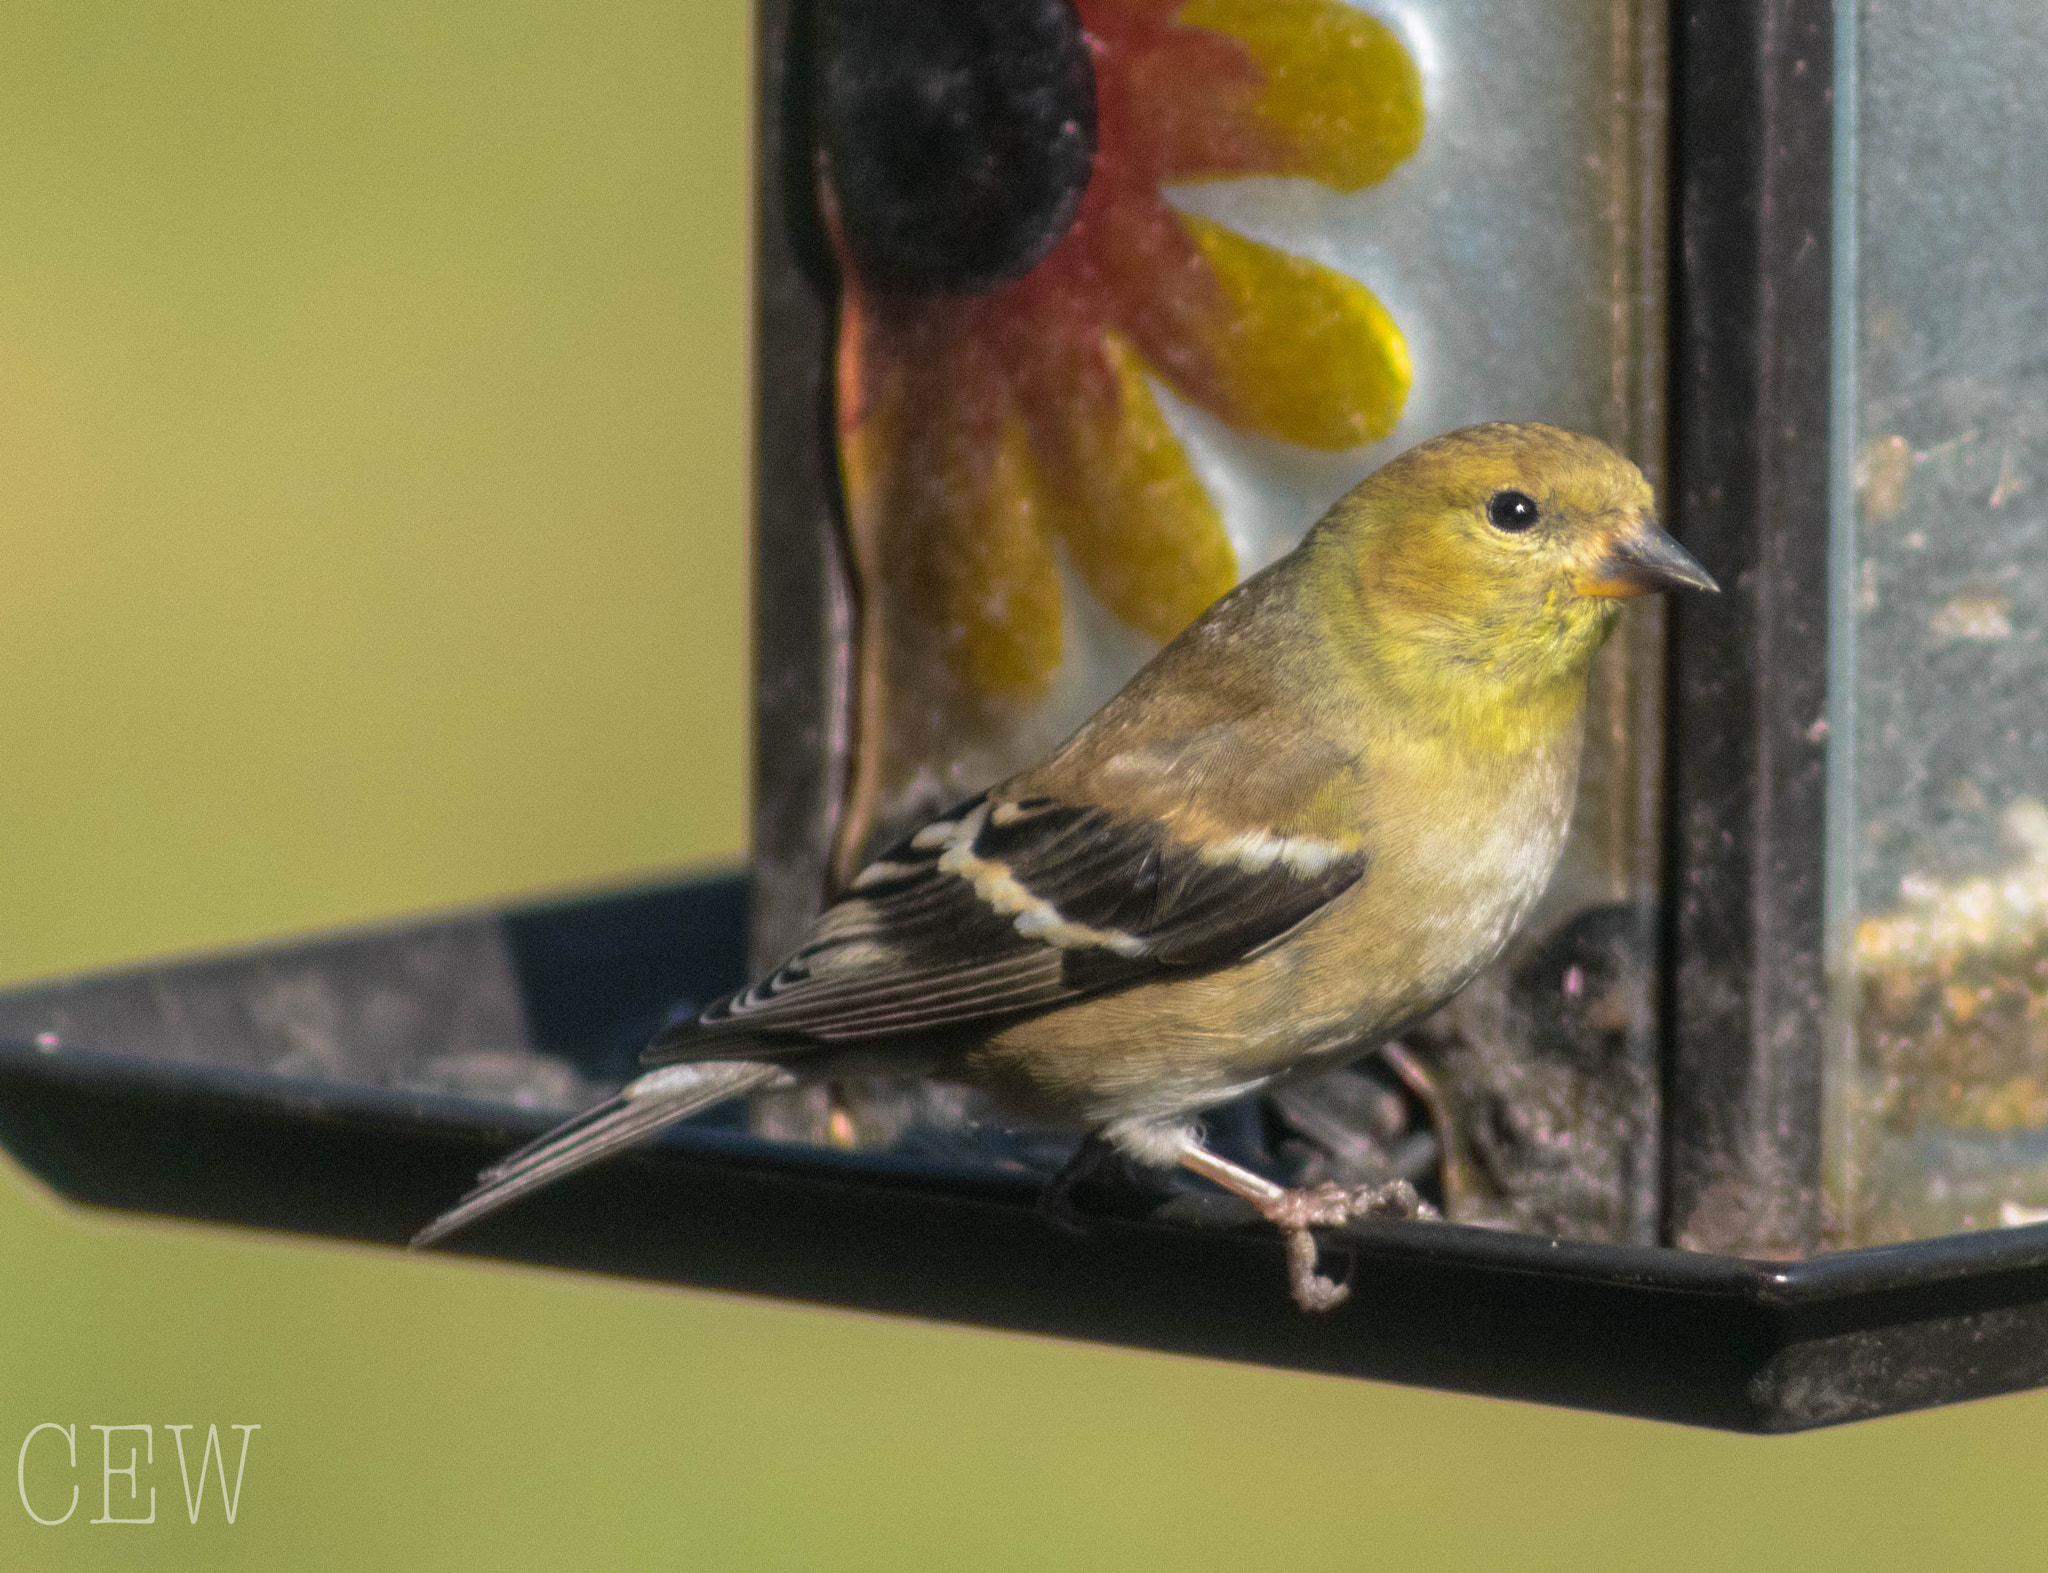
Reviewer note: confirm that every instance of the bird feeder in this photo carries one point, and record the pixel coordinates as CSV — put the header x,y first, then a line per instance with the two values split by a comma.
x,y
1071,313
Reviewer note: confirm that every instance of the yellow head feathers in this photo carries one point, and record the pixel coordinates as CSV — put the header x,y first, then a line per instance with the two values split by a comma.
x,y
1500,554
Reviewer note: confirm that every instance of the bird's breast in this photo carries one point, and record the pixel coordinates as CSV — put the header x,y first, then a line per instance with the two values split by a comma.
x,y
1452,883
1453,873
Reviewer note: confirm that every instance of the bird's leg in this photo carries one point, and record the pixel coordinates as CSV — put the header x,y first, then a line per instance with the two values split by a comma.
x,y
1295,1211
1056,1201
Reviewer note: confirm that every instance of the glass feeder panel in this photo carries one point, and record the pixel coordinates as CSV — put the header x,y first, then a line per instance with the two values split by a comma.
x,y
1939,814
1313,235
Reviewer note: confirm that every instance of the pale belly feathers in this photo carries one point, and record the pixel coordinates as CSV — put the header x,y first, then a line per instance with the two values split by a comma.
x,y
1439,902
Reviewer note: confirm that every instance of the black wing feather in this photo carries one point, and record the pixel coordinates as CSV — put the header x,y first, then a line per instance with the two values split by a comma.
x,y
915,947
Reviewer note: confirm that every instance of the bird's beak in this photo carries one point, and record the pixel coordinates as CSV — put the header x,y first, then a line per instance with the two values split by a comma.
x,y
1644,561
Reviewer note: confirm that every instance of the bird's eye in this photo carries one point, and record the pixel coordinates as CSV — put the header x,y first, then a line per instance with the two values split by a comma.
x,y
1512,511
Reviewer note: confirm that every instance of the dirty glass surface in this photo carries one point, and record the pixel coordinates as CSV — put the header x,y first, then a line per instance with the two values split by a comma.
x,y
1939,833
1315,234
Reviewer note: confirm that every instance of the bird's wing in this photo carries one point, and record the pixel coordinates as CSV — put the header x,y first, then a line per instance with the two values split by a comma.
x,y
1021,900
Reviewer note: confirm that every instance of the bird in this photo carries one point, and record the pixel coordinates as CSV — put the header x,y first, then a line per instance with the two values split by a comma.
x,y
1304,825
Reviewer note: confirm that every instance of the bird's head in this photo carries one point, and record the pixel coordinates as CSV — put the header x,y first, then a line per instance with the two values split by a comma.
x,y
1497,557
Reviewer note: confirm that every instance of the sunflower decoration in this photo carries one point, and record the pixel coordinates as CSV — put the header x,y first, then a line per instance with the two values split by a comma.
x,y
1015,282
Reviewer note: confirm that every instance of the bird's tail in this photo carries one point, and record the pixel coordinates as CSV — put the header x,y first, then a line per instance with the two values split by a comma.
x,y
643,1107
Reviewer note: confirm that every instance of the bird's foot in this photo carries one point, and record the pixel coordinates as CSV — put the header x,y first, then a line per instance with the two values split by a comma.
x,y
1295,1212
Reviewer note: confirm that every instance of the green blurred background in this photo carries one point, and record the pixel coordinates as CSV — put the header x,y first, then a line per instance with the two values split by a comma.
x,y
373,388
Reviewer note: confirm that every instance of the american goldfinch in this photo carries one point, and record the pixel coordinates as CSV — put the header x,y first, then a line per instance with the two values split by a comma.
x,y
1306,823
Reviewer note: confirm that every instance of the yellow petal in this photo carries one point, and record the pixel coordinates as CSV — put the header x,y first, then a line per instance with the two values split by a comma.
x,y
997,586
1342,93
1141,528
1309,355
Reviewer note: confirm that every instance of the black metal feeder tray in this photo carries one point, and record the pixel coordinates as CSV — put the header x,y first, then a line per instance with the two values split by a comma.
x,y
352,1086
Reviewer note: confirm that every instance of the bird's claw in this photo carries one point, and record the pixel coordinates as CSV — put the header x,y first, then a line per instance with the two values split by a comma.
x,y
1329,1204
